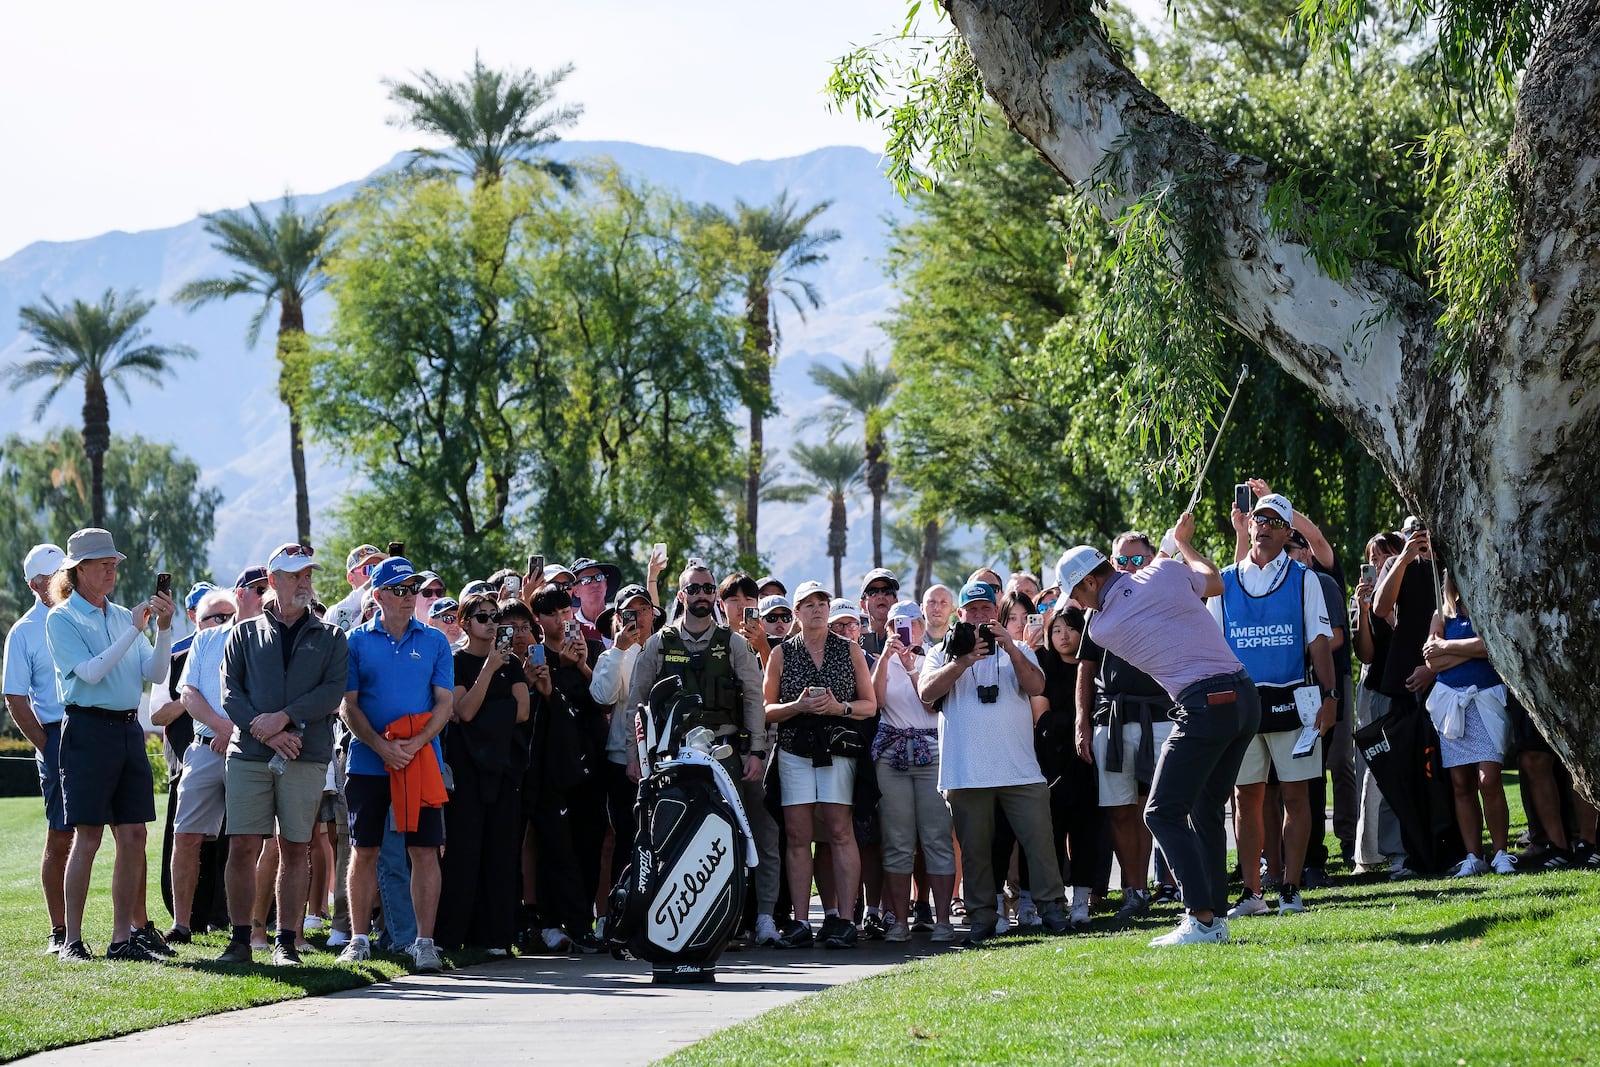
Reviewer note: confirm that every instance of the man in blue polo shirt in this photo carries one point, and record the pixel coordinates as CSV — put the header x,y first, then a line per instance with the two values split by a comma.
x,y
398,668
35,706
103,660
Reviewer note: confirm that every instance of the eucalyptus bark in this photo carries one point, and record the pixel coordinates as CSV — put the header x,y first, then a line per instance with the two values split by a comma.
x,y
1496,460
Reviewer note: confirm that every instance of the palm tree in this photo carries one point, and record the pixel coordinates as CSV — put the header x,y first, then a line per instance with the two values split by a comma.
x,y
864,391
490,119
278,260
103,344
782,250
831,469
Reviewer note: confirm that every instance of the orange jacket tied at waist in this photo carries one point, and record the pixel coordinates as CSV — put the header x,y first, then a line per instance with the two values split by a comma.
x,y
420,783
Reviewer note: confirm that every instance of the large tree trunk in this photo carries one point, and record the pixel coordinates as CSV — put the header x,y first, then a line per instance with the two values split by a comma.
x,y
877,484
1498,462
837,542
758,370
96,442
291,339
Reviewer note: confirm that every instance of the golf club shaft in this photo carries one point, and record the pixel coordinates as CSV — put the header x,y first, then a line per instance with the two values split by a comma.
x,y
1244,372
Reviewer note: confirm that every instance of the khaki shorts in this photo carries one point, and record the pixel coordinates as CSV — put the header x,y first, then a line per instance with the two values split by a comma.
x,y
257,799
200,791
1276,750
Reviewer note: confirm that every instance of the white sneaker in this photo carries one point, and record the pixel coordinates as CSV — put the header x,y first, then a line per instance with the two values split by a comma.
x,y
1249,904
1002,921
338,939
1079,914
766,931
942,932
313,922
556,940
425,955
1192,931
357,951
600,928
1469,867
1503,863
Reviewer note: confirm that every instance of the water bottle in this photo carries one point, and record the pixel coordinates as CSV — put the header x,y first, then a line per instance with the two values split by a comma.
x,y
277,764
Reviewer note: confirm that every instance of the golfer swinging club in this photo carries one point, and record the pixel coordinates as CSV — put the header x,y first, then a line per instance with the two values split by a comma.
x,y
1156,619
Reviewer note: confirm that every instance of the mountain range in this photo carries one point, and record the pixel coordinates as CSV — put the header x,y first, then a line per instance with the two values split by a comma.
x,y
222,408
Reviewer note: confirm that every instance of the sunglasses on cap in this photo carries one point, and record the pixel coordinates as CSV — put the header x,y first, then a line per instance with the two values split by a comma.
x,y
297,550
1131,561
1271,522
481,617
696,588
218,616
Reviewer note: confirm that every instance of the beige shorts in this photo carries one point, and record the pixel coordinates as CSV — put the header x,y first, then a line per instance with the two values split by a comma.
x,y
1276,750
1120,788
259,800
806,784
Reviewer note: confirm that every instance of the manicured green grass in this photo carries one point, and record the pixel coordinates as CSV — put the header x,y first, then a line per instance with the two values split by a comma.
x,y
1483,970
46,1004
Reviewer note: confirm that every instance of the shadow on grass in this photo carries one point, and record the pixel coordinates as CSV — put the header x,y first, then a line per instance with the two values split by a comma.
x,y
312,980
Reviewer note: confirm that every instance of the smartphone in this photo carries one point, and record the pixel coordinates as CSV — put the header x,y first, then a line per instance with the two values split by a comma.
x,y
511,586
164,583
571,630
397,548
659,550
535,566
536,655
752,615
1369,573
1036,620
502,638
902,630
815,690
628,616
1241,498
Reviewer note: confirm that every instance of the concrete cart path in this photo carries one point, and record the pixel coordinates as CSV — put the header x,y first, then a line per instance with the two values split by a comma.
x,y
593,1010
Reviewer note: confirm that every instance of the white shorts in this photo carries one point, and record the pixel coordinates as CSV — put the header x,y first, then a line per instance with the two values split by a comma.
x,y
1276,750
1122,787
805,784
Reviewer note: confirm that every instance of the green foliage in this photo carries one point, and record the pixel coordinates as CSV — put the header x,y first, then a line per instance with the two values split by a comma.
x,y
924,89
156,510
1473,237
512,369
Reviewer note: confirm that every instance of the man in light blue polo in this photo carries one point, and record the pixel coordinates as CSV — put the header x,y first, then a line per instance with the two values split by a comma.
x,y
399,669
103,660
35,706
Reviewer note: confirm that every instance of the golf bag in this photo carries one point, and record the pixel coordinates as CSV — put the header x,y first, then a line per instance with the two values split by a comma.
x,y
1402,749
679,899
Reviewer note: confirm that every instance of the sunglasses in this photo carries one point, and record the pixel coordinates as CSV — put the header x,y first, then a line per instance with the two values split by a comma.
x,y
447,619
484,616
780,616
368,568
697,588
1131,561
401,590
1271,522
217,616
434,591
882,590
259,590
560,587
593,579
299,550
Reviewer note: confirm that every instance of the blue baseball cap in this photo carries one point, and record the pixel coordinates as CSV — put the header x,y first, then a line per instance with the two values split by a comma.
x,y
191,599
392,571
976,591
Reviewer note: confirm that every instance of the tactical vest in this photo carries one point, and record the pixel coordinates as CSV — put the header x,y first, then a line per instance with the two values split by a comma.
x,y
707,674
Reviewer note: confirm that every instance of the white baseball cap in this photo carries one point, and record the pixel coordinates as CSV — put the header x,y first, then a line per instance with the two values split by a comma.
x,y
42,560
809,589
840,608
293,558
1074,565
1278,504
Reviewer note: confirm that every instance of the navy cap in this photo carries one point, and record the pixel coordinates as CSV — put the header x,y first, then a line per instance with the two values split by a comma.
x,y
250,576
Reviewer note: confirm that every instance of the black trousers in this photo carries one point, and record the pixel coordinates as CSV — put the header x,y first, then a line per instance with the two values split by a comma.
x,y
570,828
482,858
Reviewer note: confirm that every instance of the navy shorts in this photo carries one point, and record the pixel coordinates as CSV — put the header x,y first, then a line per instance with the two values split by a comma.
x,y
49,761
105,773
367,797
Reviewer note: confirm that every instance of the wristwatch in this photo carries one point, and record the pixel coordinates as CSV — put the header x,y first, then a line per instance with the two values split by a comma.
x,y
1329,694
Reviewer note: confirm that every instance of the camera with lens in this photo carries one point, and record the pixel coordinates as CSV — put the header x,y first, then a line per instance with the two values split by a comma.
x,y
988,694
962,638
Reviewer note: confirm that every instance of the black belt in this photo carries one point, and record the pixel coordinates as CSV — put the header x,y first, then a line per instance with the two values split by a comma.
x,y
103,713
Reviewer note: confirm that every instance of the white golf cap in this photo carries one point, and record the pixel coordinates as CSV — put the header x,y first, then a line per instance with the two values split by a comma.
x,y
1074,565
809,589
1278,504
42,560
840,608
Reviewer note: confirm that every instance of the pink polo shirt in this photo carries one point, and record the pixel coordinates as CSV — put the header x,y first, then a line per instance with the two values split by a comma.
x,y
1156,620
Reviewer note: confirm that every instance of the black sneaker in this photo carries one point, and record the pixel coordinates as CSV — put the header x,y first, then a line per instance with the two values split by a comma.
x,y
1554,860
798,935
922,919
75,952
873,928
179,935
1585,855
1054,919
977,937
130,950
150,939
58,938
1167,893
844,935
284,955
1313,878
236,952
587,943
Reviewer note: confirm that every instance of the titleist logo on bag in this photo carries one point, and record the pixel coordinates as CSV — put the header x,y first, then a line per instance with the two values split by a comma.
x,y
690,889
